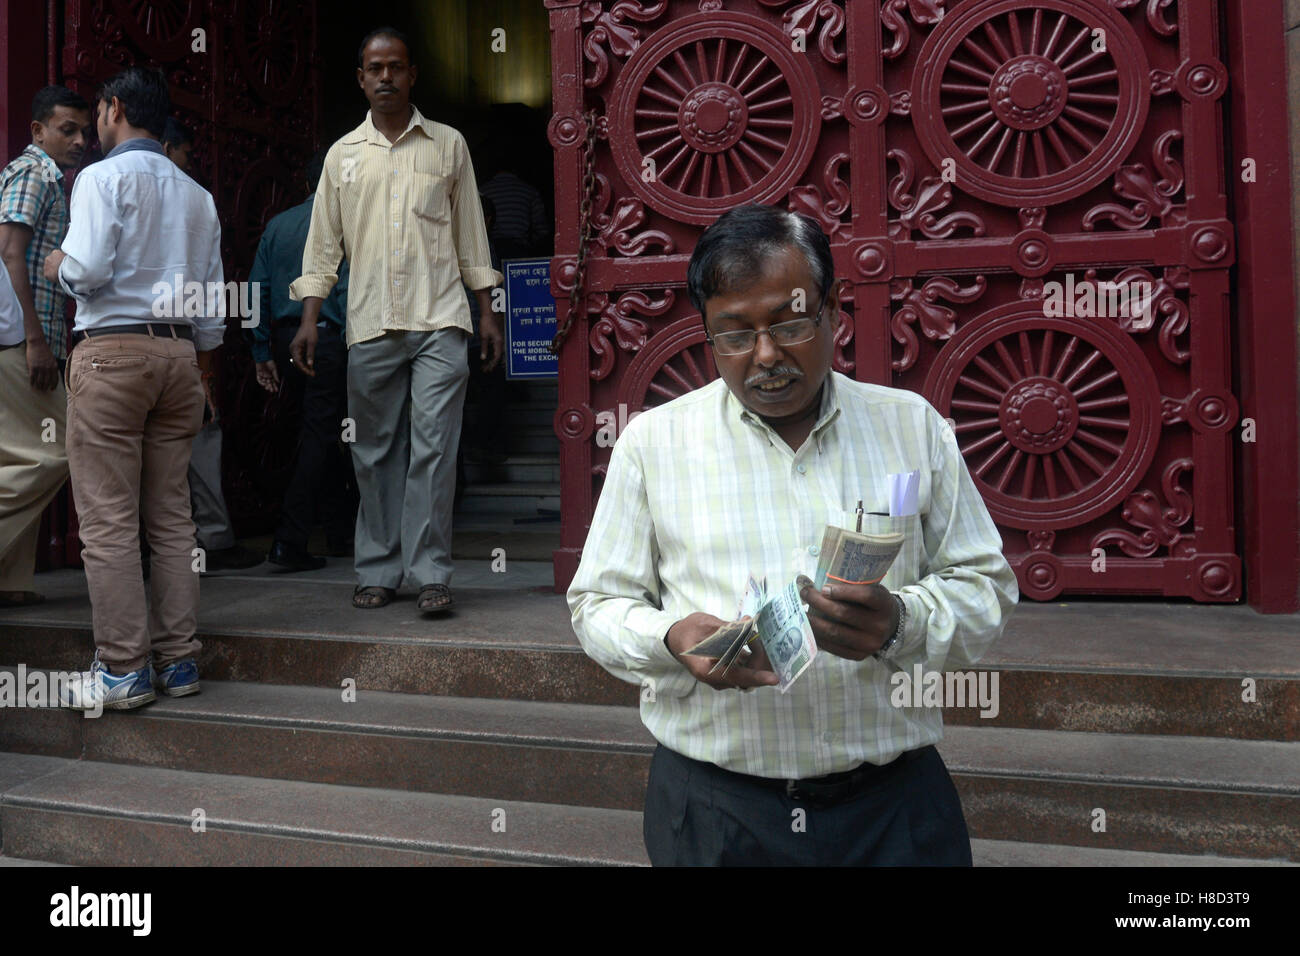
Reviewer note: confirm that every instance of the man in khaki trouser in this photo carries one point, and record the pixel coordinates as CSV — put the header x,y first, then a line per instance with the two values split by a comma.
x,y
33,463
33,466
33,341
139,227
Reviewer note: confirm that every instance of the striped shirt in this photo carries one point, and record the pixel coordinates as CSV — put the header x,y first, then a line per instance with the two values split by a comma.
x,y
519,216
31,193
408,217
700,493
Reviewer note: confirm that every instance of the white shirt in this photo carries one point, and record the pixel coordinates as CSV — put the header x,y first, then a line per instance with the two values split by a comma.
x,y
11,312
144,245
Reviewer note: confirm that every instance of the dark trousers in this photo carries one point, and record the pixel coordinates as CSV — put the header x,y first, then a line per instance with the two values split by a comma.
x,y
322,473
697,814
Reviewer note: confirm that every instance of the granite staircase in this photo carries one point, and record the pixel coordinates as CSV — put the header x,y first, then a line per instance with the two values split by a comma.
x,y
492,739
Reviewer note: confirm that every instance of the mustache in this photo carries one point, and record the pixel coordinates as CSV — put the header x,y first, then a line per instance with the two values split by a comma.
x,y
783,371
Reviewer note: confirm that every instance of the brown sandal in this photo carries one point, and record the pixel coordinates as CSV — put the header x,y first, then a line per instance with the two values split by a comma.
x,y
429,598
371,597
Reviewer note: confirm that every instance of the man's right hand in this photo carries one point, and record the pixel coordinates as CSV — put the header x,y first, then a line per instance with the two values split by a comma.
x,y
268,376
303,349
42,367
694,628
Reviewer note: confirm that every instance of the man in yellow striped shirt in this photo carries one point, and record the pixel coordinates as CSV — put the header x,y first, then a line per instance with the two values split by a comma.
x,y
740,477
398,197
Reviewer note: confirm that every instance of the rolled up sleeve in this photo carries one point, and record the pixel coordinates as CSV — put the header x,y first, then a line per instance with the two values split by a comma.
x,y
324,249
615,596
470,231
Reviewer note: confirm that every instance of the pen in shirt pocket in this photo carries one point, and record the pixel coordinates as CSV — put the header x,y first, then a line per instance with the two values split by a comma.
x,y
858,513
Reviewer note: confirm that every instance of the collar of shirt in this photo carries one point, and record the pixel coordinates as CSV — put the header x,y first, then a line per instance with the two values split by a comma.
x,y
379,139
830,411
42,157
137,142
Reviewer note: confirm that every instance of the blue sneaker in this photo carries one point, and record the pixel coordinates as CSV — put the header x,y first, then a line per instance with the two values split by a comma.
x,y
176,679
99,689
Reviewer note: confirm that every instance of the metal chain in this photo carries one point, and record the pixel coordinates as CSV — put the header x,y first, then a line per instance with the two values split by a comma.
x,y
577,293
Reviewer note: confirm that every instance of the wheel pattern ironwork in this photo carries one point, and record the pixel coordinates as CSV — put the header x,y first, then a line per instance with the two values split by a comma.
x,y
1034,105
163,27
676,361
713,112
1057,420
270,50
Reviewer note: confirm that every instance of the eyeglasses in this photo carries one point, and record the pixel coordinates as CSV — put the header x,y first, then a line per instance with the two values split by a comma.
x,y
742,341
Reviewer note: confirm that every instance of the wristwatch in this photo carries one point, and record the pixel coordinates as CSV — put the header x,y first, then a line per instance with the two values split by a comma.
x,y
890,647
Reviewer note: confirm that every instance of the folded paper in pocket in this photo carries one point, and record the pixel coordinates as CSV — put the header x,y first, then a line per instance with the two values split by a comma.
x,y
903,489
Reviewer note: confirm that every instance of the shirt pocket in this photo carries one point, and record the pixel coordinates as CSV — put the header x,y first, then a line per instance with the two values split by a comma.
x,y
431,197
906,566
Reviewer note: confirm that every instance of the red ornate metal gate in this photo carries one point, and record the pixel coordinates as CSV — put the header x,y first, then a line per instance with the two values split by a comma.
x,y
973,162
242,79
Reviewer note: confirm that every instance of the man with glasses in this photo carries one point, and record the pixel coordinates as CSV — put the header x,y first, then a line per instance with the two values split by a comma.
x,y
741,477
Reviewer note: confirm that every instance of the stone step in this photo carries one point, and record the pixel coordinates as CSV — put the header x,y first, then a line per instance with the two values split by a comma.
x,y
1010,853
523,469
516,489
538,442
519,414
521,645
86,812
512,498
1159,794
515,506
579,754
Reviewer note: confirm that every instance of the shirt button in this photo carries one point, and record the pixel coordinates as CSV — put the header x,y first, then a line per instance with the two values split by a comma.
x,y
813,550
827,737
800,468
397,225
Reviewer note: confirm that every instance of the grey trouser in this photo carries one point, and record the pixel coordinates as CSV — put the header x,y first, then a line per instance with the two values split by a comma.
x,y
406,392
212,527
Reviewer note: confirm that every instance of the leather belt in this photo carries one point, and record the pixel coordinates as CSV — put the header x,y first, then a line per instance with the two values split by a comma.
x,y
162,330
836,787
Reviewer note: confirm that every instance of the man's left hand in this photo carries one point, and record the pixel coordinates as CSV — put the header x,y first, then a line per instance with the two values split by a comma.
x,y
852,621
493,341
52,262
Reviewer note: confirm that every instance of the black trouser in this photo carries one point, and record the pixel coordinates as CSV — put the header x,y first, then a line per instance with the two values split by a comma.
x,y
488,393
697,814
322,474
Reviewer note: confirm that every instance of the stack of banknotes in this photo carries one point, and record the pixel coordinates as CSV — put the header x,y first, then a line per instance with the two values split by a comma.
x,y
780,619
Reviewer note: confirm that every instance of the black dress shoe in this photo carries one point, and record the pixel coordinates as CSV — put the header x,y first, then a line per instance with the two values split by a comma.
x,y
232,559
294,558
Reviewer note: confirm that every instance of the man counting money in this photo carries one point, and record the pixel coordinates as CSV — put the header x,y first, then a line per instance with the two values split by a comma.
x,y
742,477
